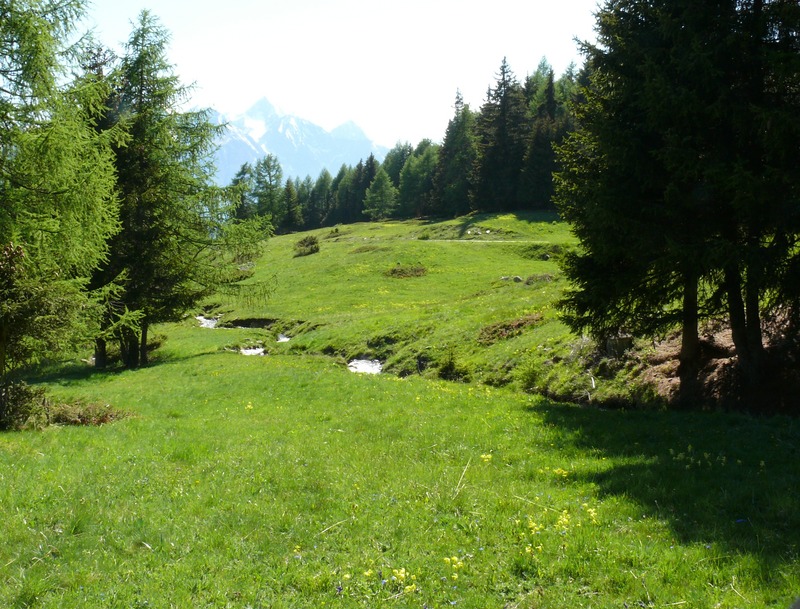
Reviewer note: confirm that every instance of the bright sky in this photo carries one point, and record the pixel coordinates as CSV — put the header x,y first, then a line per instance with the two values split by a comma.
x,y
391,67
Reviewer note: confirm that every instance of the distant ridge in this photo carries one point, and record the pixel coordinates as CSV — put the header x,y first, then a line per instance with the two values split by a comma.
x,y
302,147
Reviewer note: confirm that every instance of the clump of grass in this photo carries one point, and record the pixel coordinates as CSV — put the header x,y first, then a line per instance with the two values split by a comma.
x,y
363,249
402,271
84,413
541,278
306,246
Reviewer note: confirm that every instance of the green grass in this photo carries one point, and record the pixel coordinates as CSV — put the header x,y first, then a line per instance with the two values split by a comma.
x,y
286,481
378,290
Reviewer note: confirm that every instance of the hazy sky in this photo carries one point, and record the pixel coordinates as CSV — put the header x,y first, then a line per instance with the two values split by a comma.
x,y
392,67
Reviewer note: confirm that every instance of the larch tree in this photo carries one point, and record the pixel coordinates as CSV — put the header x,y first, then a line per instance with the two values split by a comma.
x,y
268,186
57,206
381,197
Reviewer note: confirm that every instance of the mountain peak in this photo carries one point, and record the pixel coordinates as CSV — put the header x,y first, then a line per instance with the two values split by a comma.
x,y
302,147
349,131
262,110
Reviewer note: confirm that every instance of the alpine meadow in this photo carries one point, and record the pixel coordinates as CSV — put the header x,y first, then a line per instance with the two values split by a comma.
x,y
548,361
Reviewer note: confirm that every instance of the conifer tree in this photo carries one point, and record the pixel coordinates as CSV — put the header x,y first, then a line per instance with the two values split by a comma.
x,y
169,208
502,129
243,182
395,160
321,200
268,189
415,194
293,218
691,213
57,207
455,162
381,197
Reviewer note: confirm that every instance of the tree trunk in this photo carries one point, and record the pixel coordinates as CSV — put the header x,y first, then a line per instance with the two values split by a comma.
x,y
739,329
129,348
755,339
143,345
690,344
100,354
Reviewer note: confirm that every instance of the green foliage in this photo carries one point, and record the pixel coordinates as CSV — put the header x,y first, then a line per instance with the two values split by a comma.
x,y
170,252
267,189
56,188
502,129
415,194
395,160
21,405
36,318
381,198
455,163
684,216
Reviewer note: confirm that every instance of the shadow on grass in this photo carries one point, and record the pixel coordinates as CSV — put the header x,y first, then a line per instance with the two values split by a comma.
x,y
68,373
728,480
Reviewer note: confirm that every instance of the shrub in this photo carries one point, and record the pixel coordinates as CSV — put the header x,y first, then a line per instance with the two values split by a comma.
x,y
21,404
306,246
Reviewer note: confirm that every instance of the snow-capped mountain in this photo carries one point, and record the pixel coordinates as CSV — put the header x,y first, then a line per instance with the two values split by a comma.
x,y
302,147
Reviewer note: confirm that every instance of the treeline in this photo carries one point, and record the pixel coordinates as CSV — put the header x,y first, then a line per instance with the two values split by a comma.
x,y
499,158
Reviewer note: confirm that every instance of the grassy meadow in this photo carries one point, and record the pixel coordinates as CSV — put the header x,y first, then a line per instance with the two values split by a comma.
x,y
285,480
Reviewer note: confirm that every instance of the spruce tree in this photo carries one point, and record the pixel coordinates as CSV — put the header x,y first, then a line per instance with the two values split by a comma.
x,y
169,209
502,129
456,160
683,214
415,195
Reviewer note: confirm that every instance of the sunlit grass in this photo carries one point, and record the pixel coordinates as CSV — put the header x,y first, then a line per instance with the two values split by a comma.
x,y
287,481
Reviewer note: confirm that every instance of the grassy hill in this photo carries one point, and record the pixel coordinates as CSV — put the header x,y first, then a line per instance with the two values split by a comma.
x,y
469,299
285,480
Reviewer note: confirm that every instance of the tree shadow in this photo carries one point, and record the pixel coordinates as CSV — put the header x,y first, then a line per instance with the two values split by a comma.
x,y
71,372
725,479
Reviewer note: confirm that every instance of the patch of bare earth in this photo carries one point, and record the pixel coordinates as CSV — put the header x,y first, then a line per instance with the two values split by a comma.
x,y
720,383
